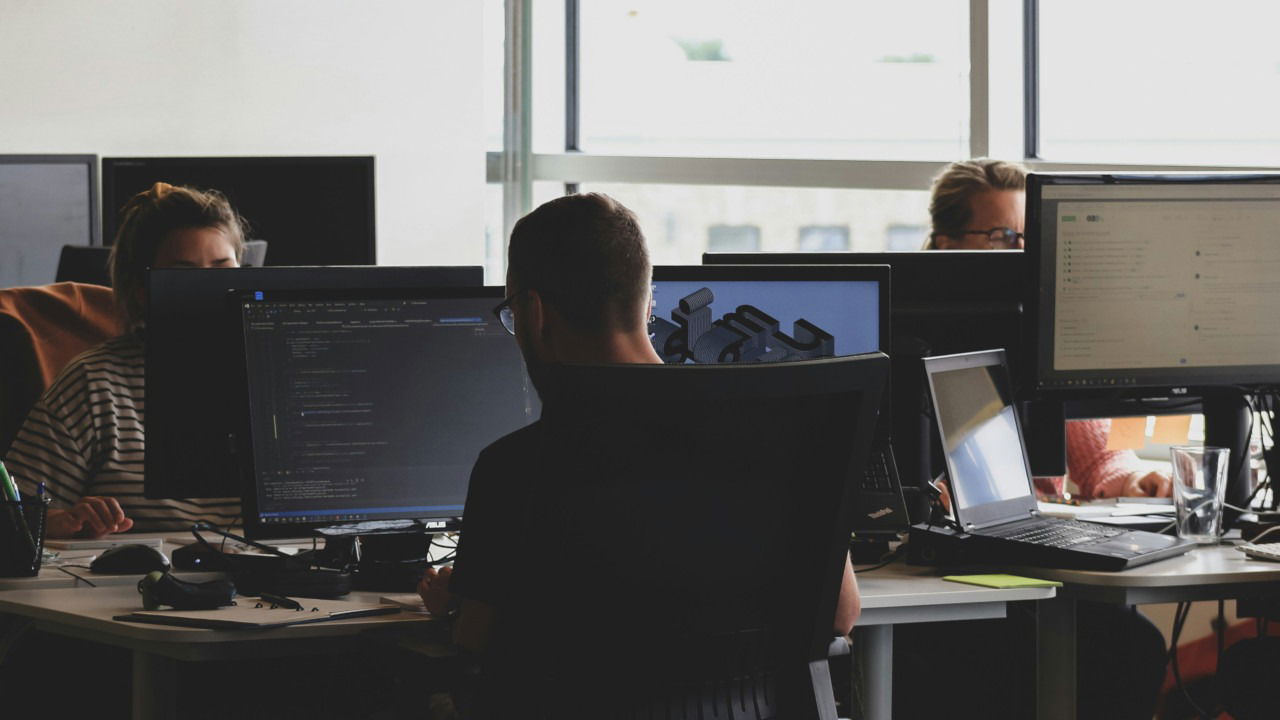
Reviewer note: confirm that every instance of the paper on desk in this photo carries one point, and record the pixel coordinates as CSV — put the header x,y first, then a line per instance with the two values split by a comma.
x,y
1091,511
246,615
1002,582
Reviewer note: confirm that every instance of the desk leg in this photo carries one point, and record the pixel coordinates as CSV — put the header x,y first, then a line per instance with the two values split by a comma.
x,y
1056,659
155,686
873,654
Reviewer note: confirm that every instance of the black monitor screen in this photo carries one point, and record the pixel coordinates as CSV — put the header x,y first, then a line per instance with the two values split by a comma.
x,y
310,210
1155,281
46,201
375,408
195,368
768,314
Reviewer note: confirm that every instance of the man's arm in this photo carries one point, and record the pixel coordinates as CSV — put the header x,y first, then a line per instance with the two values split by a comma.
x,y
849,605
473,619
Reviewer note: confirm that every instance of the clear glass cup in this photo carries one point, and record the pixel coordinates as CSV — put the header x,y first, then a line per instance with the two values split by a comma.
x,y
1199,485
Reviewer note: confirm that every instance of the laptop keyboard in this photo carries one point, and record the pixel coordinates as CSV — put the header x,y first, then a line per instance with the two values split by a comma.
x,y
1060,534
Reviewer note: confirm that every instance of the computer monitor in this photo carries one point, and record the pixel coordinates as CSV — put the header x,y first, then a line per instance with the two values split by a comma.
x,y
312,210
942,302
1155,281
46,202
1158,287
705,314
368,406
195,370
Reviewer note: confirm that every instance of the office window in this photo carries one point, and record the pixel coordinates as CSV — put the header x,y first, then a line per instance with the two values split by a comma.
x,y
804,79
823,237
677,219
1154,83
905,237
733,238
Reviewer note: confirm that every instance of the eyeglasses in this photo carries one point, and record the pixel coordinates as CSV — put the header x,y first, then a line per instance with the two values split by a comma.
x,y
504,313
998,238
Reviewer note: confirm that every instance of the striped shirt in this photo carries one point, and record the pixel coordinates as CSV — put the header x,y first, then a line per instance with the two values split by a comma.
x,y
85,437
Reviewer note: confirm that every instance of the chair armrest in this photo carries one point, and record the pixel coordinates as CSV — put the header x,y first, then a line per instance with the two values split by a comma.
x,y
839,646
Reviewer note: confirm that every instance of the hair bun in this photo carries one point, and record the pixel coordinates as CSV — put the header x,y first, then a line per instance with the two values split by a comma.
x,y
160,189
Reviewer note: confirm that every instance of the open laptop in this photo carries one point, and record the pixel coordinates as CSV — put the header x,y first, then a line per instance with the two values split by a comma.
x,y
991,485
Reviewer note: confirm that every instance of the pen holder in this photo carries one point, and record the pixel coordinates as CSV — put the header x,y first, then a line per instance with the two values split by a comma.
x,y
21,537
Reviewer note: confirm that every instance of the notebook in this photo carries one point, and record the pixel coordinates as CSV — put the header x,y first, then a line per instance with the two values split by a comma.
x,y
252,614
991,484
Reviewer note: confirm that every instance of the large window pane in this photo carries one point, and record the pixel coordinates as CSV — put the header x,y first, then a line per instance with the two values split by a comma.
x,y
760,78
683,221
1164,83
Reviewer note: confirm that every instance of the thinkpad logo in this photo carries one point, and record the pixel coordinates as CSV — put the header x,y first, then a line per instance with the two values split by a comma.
x,y
880,513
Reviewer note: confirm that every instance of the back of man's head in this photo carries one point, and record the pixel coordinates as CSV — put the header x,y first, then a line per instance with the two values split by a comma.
x,y
586,257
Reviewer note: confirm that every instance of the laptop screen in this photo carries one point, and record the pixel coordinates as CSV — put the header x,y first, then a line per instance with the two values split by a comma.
x,y
979,431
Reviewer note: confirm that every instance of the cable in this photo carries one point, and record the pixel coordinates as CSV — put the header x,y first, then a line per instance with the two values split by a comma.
x,y
886,560
1180,619
1263,534
84,580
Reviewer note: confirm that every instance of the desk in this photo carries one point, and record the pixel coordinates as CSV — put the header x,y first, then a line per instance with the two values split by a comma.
x,y
86,613
1205,573
899,594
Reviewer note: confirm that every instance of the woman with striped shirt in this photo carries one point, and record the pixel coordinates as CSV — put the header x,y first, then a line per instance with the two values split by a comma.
x,y
85,437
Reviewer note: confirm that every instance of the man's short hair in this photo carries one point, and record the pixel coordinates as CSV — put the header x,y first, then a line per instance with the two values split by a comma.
x,y
586,256
951,206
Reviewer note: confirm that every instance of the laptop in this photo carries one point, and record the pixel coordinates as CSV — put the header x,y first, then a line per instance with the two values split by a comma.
x,y
991,487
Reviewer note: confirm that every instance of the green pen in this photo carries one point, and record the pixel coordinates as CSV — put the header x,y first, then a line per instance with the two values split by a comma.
x,y
8,486
10,490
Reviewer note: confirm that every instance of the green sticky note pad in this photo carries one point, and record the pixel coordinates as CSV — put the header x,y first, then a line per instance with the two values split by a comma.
x,y
1003,581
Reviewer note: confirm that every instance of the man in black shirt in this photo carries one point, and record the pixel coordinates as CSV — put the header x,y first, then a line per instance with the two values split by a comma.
x,y
578,291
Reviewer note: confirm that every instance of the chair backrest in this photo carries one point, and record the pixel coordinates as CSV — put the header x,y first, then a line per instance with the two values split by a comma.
x,y
690,525
255,253
41,330
84,264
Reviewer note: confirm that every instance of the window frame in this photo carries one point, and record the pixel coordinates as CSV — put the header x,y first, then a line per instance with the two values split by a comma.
x,y
1003,122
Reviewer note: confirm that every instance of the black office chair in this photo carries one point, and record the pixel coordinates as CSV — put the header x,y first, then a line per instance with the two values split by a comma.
x,y
84,264
255,253
686,541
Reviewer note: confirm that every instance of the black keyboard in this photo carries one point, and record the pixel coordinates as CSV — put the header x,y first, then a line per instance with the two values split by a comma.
x,y
877,475
1060,534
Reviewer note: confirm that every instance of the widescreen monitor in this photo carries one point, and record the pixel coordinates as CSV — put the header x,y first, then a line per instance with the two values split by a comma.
x,y
1149,284
195,370
368,406
46,201
311,210
706,314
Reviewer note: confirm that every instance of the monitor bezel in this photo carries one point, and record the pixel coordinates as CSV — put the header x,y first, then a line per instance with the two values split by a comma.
x,y
253,527
111,204
1118,383
88,160
177,290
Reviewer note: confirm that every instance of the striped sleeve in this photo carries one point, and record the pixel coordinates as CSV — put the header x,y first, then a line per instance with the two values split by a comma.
x,y
86,436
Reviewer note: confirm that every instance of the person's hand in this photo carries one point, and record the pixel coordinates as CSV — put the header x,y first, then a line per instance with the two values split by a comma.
x,y
1152,484
91,517
434,589
944,494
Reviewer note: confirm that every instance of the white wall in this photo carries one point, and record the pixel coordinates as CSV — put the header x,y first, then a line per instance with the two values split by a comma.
x,y
398,79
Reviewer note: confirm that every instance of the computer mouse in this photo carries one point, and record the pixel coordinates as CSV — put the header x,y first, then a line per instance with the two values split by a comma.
x,y
129,560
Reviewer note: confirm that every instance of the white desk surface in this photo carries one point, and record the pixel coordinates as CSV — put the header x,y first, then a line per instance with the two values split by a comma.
x,y
52,578
90,611
1205,565
899,585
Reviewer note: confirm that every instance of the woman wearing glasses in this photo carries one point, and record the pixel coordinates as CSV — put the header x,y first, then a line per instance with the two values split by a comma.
x,y
979,205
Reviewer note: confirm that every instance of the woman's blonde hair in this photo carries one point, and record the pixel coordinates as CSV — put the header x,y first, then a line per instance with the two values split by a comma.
x,y
145,221
951,207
